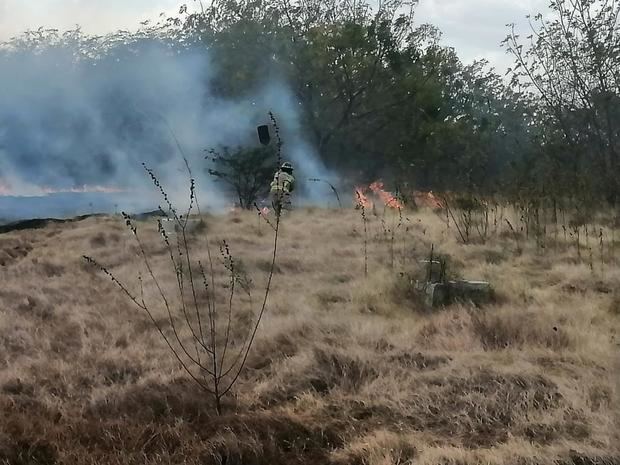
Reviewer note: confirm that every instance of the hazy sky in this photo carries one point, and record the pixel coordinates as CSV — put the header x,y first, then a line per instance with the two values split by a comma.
x,y
473,27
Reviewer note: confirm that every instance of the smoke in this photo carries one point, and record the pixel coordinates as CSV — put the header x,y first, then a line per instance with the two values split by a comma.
x,y
67,123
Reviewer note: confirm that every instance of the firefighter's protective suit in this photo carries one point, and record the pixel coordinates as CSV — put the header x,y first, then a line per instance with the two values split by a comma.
x,y
282,186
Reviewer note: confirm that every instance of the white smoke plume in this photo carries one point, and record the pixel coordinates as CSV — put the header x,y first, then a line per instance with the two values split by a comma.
x,y
67,123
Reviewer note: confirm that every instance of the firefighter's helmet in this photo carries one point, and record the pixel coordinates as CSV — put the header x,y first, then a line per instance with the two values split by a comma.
x,y
287,167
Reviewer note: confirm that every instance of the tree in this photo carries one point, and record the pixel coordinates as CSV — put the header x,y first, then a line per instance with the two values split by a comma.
x,y
379,96
572,64
246,171
347,63
351,74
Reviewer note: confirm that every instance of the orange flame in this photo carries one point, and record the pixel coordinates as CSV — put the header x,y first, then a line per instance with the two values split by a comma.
x,y
421,199
361,199
386,197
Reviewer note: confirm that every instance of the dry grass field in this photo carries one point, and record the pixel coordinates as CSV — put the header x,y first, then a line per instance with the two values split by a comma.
x,y
346,369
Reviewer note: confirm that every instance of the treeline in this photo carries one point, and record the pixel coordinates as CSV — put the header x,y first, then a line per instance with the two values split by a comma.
x,y
381,97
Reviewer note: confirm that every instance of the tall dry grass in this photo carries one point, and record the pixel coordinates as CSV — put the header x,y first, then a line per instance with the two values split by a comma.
x,y
346,369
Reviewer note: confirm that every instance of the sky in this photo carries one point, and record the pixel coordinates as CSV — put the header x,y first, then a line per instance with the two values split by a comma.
x,y
473,27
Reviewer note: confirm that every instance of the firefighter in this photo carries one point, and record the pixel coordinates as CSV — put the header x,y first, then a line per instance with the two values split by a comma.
x,y
282,186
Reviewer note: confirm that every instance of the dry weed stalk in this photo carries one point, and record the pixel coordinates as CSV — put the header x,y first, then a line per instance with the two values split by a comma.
x,y
601,245
361,205
395,227
463,237
473,214
331,186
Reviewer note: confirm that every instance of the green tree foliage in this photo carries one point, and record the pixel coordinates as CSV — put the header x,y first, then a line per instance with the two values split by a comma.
x,y
570,63
247,172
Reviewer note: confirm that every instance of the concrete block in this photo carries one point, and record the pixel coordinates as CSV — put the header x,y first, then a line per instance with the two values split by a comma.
x,y
477,292
436,295
441,294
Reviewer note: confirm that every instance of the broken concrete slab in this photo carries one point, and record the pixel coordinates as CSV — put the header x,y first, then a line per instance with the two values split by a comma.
x,y
444,293
476,292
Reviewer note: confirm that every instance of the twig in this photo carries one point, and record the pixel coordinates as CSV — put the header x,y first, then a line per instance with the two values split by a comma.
x,y
331,186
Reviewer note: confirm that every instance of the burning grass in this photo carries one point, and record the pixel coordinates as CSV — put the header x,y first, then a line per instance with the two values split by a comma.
x,y
347,368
